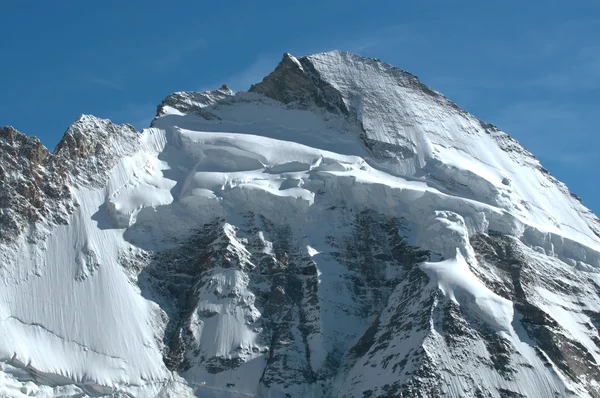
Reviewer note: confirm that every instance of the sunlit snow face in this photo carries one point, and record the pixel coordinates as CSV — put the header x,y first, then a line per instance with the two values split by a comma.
x,y
241,240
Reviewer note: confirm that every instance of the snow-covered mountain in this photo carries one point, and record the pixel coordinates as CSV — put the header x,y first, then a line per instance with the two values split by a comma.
x,y
339,230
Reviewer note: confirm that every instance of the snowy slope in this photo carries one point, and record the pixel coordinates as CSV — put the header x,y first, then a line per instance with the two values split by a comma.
x,y
340,230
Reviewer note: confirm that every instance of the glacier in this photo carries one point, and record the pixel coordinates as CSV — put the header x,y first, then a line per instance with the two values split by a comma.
x,y
338,230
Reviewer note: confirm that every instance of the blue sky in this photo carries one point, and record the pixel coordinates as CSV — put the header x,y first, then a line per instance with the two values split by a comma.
x,y
530,67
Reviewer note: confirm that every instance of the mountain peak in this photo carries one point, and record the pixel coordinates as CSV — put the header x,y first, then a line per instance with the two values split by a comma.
x,y
340,216
22,145
296,81
409,128
89,134
352,60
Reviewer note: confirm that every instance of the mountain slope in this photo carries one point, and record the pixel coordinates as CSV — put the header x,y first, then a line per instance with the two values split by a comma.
x,y
340,230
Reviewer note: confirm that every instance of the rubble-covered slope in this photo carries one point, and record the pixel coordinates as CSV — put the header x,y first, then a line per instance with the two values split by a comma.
x,y
340,230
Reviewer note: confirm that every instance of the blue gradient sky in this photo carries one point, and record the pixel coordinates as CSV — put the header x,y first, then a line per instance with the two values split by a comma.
x,y
530,67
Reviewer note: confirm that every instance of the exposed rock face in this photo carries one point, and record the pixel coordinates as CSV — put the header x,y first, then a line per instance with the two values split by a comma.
x,y
27,195
193,102
35,190
296,82
523,276
258,274
91,147
340,230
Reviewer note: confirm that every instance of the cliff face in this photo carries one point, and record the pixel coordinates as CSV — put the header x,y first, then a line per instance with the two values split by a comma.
x,y
24,190
340,230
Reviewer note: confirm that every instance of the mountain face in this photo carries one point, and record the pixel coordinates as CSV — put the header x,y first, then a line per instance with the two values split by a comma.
x,y
339,230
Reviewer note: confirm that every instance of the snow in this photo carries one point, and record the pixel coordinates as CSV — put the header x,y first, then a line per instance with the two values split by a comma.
x,y
437,131
72,314
461,286
146,190
70,321
311,251
564,311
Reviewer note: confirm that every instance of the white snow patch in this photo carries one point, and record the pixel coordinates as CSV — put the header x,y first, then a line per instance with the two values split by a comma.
x,y
459,284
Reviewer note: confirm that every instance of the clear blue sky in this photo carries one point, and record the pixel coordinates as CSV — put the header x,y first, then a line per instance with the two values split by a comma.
x,y
530,67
